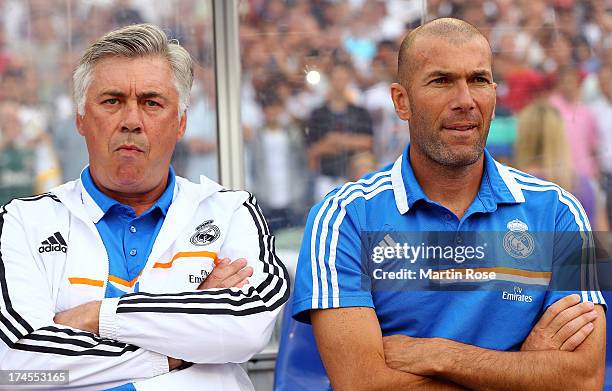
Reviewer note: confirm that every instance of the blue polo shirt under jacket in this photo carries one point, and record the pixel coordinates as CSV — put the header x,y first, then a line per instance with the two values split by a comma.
x,y
530,245
128,238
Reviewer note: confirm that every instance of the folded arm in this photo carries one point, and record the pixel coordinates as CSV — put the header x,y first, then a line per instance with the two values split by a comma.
x,y
482,369
209,326
350,343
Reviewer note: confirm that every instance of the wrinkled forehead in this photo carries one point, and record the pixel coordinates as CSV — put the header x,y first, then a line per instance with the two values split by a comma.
x,y
151,72
452,54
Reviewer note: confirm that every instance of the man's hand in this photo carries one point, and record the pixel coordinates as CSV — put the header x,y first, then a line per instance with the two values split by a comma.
x,y
227,274
335,140
564,326
406,353
174,363
83,317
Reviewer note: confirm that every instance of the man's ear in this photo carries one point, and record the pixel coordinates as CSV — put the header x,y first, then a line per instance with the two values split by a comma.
x,y
182,125
399,95
79,123
495,105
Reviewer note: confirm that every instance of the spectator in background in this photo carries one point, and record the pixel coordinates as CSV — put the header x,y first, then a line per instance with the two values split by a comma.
x,y
124,13
19,89
542,150
16,157
254,78
335,132
591,86
361,164
27,161
20,84
537,20
200,140
67,139
308,96
99,18
602,109
390,134
63,128
362,34
519,84
42,51
566,20
278,168
559,53
584,56
578,121
4,54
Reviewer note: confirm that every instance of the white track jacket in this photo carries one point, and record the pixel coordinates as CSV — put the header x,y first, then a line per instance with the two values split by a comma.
x,y
52,259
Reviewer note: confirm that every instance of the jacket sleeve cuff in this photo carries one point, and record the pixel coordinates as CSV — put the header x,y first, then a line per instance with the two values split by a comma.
x,y
159,364
108,326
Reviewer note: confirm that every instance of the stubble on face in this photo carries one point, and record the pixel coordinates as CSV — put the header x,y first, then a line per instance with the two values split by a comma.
x,y
429,118
429,142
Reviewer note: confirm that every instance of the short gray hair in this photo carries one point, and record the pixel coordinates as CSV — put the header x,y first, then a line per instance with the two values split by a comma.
x,y
138,40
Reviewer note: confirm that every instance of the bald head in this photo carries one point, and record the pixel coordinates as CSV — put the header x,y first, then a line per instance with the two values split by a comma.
x,y
455,31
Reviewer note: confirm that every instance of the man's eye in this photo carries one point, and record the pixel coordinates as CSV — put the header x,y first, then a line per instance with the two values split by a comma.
x,y
440,80
480,79
111,101
151,103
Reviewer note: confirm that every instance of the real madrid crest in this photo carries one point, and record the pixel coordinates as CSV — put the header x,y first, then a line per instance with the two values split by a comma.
x,y
518,243
206,233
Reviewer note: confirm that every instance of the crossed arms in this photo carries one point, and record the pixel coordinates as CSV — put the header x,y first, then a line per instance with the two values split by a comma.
x,y
565,350
226,274
209,326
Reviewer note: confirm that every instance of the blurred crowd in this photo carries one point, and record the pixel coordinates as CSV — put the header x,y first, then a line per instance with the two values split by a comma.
x,y
317,109
41,42
315,101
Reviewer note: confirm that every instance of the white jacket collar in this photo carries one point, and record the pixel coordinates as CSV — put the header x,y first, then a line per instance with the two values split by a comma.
x,y
74,196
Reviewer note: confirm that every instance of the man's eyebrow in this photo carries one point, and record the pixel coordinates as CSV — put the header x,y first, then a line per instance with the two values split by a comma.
x,y
481,72
452,75
151,94
120,94
439,73
114,93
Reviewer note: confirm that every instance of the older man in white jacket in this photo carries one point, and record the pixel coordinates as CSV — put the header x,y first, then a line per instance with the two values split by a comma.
x,y
130,276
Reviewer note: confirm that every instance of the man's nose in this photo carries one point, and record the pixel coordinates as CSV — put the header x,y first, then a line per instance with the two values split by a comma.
x,y
132,118
463,99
